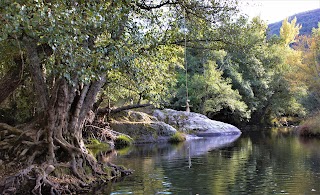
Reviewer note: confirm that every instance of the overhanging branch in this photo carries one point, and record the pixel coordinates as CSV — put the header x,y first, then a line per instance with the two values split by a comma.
x,y
144,6
106,110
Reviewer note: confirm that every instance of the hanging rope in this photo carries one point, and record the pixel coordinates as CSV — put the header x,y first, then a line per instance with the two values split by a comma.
x,y
185,61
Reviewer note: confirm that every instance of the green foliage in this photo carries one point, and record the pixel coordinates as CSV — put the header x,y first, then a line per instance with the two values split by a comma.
x,y
250,64
177,137
123,151
249,76
149,77
96,144
262,70
209,92
213,93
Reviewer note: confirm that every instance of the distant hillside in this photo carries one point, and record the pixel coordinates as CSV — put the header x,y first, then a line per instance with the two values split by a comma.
x,y
308,20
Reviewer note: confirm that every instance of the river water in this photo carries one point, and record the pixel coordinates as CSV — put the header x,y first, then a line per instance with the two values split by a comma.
x,y
258,162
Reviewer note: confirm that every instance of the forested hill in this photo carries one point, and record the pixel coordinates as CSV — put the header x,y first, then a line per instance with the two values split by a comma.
x,y
308,20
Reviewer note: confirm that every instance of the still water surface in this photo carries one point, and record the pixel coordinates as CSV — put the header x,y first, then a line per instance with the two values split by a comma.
x,y
258,162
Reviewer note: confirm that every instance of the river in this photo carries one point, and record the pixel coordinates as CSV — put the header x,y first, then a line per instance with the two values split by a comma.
x,y
269,161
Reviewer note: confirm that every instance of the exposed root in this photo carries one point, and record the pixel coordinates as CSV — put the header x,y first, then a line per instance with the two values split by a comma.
x,y
44,179
41,180
39,177
9,129
104,134
20,146
11,184
26,152
121,170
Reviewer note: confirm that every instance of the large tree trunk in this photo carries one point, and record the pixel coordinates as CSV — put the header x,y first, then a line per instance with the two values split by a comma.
x,y
67,113
40,86
57,145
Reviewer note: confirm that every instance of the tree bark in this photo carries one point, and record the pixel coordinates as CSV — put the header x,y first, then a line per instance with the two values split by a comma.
x,y
67,112
36,72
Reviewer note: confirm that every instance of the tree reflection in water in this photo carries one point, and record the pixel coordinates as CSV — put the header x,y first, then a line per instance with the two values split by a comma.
x,y
259,162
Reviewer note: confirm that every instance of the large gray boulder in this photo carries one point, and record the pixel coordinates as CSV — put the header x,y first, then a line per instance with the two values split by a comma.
x,y
142,127
194,123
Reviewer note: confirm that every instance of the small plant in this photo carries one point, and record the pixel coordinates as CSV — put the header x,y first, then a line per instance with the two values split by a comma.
x,y
122,141
94,146
177,137
95,143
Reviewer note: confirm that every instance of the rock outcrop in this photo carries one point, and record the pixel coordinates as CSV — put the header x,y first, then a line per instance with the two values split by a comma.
x,y
142,127
194,123
163,124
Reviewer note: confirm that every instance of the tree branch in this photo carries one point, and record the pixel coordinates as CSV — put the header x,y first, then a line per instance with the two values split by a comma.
x,y
36,72
105,110
144,6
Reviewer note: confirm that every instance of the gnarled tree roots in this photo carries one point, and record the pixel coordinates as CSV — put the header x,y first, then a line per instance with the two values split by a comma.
x,y
26,168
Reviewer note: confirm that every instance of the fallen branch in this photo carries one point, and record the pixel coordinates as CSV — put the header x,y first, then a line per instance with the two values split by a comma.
x,y
111,131
106,110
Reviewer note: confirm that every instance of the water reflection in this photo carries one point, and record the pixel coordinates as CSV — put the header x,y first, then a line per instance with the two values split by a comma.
x,y
196,147
260,162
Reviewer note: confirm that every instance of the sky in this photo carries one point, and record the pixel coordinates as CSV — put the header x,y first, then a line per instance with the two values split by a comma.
x,y
277,10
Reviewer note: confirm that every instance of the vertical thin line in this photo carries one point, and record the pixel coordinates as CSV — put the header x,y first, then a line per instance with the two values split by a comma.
x,y
185,59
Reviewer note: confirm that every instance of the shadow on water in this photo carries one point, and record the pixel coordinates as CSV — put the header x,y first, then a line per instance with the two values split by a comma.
x,y
265,161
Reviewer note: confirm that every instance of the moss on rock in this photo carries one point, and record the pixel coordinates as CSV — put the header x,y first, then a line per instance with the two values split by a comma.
x,y
177,137
94,146
122,141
